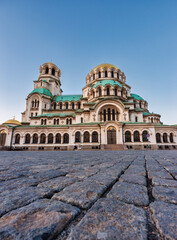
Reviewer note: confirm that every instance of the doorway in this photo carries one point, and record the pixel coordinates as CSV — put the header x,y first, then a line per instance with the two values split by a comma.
x,y
111,135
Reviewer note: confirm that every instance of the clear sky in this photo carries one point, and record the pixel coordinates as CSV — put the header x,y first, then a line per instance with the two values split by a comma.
x,y
139,37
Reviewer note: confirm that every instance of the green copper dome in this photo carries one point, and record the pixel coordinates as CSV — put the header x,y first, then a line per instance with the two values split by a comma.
x,y
67,98
107,81
42,91
137,97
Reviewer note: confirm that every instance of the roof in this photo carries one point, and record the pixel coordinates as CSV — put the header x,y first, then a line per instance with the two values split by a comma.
x,y
107,81
105,65
67,98
148,113
137,97
50,115
42,91
12,122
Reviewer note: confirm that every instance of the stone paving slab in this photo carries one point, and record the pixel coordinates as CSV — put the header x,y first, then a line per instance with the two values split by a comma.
x,y
111,219
97,194
42,219
130,193
165,217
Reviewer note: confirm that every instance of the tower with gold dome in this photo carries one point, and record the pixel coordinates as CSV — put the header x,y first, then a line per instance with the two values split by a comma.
x,y
107,115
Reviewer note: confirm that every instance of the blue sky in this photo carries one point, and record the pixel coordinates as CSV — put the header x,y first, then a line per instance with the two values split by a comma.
x,y
139,37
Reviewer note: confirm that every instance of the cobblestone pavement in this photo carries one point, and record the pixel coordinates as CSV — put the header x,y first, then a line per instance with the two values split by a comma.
x,y
88,195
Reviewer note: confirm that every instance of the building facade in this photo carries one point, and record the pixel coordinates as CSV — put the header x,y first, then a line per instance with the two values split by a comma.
x,y
105,116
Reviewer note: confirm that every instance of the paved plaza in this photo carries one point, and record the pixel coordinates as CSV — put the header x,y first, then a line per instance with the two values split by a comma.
x,y
88,195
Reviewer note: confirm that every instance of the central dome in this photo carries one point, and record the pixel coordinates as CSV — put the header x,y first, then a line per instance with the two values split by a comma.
x,y
105,65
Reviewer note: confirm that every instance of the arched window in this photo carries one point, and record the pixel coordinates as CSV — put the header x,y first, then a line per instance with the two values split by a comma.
x,y
27,138
112,74
42,121
66,138
2,138
46,70
60,106
94,136
144,135
45,121
115,91
99,92
106,74
136,136
66,105
113,114
54,121
94,76
104,113
165,140
78,105
58,138
136,119
35,138
50,138
54,105
128,136
99,74
171,137
42,138
77,137
152,120
158,138
58,121
70,120
86,137
72,105
32,104
17,138
37,103
107,91
109,114
118,75
93,93
140,104
67,121
53,71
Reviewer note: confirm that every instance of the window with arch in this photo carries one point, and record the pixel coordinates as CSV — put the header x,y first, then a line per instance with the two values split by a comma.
x,y
60,106
42,121
86,137
53,71
42,138
94,136
72,104
136,119
3,135
171,138
67,121
58,138
77,137
112,74
45,121
27,138
50,138
17,138
99,92
94,76
136,136
93,93
118,75
54,105
106,74
165,138
70,121
35,138
99,74
109,114
58,121
46,70
115,91
32,104
158,138
54,121
128,136
144,136
66,138
152,120
66,105
78,105
107,91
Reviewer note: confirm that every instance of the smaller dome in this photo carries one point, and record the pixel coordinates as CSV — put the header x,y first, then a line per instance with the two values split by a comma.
x,y
12,122
105,65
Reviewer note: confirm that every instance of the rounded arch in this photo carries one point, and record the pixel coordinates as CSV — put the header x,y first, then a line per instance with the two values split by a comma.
x,y
42,138
128,136
35,138
17,138
94,136
171,137
165,138
86,137
136,136
158,137
145,136
27,138
77,137
58,138
50,138
3,135
66,138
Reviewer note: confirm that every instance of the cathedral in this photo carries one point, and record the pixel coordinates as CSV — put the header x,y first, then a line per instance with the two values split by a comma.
x,y
105,116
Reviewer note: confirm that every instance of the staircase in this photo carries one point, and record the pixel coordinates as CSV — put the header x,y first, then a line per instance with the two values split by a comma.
x,y
113,147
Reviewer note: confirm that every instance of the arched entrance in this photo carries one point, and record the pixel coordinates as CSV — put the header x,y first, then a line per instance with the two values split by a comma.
x,y
111,135
3,134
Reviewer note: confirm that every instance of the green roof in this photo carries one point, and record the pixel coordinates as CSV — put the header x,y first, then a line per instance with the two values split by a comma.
x,y
137,97
148,113
104,82
67,98
42,91
50,115
43,80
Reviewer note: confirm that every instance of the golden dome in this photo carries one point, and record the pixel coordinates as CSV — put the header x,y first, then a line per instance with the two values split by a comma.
x,y
13,122
105,65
